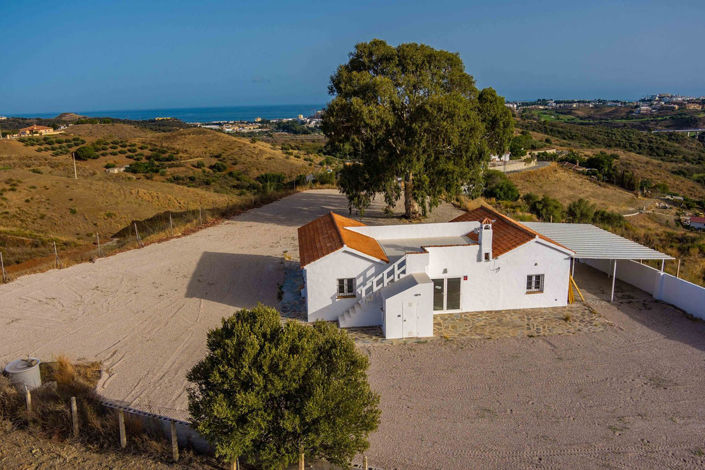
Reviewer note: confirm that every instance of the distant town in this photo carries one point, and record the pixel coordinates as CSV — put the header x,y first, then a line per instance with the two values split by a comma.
x,y
646,105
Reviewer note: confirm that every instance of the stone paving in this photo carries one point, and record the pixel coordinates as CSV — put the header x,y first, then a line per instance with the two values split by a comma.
x,y
574,318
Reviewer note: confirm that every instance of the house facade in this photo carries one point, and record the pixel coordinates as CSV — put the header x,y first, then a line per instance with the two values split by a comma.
x,y
400,276
35,130
697,223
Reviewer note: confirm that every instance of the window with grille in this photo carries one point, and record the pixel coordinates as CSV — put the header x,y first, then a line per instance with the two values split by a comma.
x,y
346,287
534,283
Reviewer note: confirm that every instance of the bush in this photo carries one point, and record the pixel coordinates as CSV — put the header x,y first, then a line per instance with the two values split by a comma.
x,y
498,186
268,391
548,209
86,152
581,211
218,167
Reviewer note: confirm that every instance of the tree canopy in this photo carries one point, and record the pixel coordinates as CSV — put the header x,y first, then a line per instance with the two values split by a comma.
x,y
411,112
267,392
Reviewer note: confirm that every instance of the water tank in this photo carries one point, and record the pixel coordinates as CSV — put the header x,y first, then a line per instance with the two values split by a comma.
x,y
24,373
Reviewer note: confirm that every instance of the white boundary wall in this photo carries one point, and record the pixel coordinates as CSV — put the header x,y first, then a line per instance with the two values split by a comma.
x,y
665,287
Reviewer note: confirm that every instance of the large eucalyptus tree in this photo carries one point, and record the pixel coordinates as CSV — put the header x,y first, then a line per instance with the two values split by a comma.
x,y
411,112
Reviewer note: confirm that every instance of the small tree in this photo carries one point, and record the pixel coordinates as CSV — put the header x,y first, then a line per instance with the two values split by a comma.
x,y
581,211
268,392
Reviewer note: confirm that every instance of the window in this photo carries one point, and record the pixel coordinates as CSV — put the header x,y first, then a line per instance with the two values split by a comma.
x,y
534,283
346,287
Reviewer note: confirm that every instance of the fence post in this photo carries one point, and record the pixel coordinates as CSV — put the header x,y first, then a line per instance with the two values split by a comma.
x,y
97,237
364,463
137,236
200,216
28,402
121,425
678,269
56,256
171,225
74,416
2,267
174,442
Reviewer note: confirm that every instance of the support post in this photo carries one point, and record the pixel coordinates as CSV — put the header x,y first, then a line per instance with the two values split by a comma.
x,y
75,173
74,416
614,278
121,426
572,267
97,239
678,269
663,264
171,225
174,442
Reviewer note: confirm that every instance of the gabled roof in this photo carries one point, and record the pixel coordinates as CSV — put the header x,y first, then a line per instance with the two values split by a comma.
x,y
507,233
328,233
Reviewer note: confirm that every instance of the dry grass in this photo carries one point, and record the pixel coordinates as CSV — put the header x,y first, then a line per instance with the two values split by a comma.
x,y
568,186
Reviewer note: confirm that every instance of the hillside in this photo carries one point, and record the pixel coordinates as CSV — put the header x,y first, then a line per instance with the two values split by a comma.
x,y
176,172
656,226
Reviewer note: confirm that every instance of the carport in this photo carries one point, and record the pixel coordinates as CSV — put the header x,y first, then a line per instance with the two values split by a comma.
x,y
592,243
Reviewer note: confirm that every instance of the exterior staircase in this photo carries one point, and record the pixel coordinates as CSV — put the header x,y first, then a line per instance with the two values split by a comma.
x,y
367,311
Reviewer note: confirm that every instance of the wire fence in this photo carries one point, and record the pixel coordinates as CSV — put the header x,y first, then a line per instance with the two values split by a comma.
x,y
137,234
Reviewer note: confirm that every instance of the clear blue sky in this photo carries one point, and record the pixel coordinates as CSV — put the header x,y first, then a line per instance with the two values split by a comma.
x,y
98,55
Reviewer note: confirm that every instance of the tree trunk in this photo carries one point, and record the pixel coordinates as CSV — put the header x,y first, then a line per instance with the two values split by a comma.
x,y
411,207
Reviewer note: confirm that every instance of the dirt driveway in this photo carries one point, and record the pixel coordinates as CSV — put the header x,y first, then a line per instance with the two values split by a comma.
x,y
145,313
627,397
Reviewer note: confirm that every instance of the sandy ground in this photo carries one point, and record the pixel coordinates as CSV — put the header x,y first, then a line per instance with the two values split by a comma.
x,y
627,397
145,313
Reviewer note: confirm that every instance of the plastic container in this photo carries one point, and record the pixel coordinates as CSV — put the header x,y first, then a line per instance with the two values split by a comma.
x,y
24,373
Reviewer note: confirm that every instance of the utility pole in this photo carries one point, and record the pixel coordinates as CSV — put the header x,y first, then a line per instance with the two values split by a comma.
x,y
75,173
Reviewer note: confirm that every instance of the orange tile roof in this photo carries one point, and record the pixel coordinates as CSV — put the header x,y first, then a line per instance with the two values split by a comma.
x,y
507,233
35,127
328,233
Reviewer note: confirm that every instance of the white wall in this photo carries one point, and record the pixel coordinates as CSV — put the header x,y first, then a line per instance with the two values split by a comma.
x,y
665,287
419,298
501,283
321,279
413,231
639,275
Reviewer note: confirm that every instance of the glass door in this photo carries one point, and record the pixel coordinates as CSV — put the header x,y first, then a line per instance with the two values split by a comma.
x,y
453,293
439,294
446,294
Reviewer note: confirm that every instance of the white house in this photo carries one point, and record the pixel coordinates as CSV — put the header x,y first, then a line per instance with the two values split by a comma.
x,y
399,276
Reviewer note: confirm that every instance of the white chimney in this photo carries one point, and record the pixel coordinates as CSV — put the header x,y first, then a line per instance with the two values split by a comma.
x,y
485,238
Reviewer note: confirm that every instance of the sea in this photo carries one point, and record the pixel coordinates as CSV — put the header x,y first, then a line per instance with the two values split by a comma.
x,y
225,113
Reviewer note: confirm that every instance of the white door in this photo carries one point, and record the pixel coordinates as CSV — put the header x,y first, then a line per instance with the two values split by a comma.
x,y
409,320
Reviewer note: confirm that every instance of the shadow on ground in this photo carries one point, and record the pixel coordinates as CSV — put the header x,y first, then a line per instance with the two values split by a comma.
x,y
641,307
235,279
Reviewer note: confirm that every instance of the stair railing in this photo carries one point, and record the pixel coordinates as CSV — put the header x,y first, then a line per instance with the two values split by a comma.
x,y
392,274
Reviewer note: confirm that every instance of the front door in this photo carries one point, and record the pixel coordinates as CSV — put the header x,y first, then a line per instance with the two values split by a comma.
x,y
409,320
446,294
